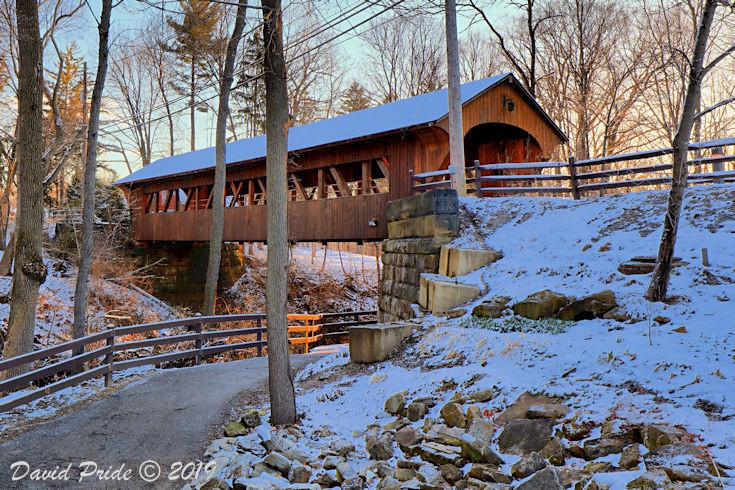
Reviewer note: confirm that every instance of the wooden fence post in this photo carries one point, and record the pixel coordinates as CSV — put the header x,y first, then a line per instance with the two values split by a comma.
x,y
259,336
573,178
410,179
478,180
108,358
198,344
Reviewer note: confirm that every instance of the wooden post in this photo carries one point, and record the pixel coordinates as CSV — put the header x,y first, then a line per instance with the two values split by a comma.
x,y
478,180
410,179
108,358
198,344
366,177
705,257
573,178
259,337
320,194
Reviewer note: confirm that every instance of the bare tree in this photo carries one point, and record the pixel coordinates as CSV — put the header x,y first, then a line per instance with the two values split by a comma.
x,y
29,220
280,382
220,171
406,56
478,57
698,70
90,168
520,46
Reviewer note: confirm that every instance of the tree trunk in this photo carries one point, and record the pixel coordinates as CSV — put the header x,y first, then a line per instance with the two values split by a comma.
x,y
661,273
30,270
88,190
280,382
6,263
192,107
220,170
456,136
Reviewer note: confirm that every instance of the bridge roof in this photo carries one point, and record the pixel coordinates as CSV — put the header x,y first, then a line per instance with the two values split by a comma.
x,y
401,114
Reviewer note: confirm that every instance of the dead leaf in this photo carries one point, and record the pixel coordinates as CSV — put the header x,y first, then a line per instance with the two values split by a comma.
x,y
681,329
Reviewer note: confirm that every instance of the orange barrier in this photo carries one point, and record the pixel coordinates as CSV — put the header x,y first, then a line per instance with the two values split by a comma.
x,y
310,329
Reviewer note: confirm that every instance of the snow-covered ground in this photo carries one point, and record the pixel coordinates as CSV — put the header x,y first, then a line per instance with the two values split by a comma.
x,y
637,371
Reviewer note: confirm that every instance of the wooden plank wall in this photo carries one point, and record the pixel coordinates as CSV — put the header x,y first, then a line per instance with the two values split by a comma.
x,y
340,219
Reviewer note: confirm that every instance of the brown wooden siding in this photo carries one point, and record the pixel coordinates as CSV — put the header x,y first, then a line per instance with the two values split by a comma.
x,y
340,219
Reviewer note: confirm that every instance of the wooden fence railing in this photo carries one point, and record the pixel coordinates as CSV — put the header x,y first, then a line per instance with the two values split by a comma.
x,y
100,349
581,177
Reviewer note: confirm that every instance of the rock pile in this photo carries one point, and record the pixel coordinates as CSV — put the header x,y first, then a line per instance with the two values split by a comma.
x,y
532,444
550,304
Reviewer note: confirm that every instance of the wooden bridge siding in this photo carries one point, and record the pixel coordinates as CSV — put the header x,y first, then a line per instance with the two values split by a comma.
x,y
340,219
488,108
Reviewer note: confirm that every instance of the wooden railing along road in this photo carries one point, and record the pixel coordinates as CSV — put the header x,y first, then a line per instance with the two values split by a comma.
x,y
581,177
100,349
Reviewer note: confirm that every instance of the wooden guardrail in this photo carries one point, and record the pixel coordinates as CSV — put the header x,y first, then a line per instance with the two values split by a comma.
x,y
100,350
581,177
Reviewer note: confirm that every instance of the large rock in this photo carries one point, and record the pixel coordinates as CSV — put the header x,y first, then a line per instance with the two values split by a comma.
x,y
488,474
439,454
546,479
589,307
630,457
543,304
657,435
379,446
481,429
523,436
279,462
492,308
434,202
394,404
234,429
450,436
251,419
452,415
478,451
598,448
527,465
682,462
455,262
416,411
651,480
451,473
407,437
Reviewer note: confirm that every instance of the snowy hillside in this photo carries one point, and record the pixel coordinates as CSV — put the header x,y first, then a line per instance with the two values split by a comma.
x,y
616,377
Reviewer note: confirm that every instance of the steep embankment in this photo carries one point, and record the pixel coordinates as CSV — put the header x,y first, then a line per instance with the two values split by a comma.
x,y
669,364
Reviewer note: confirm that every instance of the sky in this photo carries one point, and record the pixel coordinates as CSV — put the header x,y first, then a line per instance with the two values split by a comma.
x,y
131,15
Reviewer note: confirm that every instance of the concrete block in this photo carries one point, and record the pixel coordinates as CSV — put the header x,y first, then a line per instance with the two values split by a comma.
x,y
437,201
427,263
374,343
455,262
434,225
424,291
416,246
443,296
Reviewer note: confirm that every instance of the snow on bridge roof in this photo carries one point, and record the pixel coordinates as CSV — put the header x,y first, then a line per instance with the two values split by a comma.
x,y
415,111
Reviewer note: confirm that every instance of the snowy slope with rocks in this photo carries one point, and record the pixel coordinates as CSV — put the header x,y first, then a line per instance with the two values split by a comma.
x,y
651,404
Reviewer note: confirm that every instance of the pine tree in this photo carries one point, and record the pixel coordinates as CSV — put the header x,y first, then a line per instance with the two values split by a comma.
x,y
354,99
196,38
249,92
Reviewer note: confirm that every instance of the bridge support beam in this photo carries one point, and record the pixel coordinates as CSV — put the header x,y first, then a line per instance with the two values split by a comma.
x,y
418,226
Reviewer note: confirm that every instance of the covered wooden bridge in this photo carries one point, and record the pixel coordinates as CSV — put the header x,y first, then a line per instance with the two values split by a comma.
x,y
342,171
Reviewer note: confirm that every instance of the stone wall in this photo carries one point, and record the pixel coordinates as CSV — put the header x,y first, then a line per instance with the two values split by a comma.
x,y
418,226
181,274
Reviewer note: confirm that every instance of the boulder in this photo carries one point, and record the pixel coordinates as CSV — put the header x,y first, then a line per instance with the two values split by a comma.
x,y
439,454
588,307
538,406
216,483
598,448
473,412
488,474
483,396
682,462
630,457
546,479
416,411
379,446
492,308
234,429
299,473
523,436
479,451
345,471
450,436
657,435
395,404
451,473
404,474
407,437
355,483
342,447
651,480
554,452
481,429
543,304
452,415
527,465
389,483
279,462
